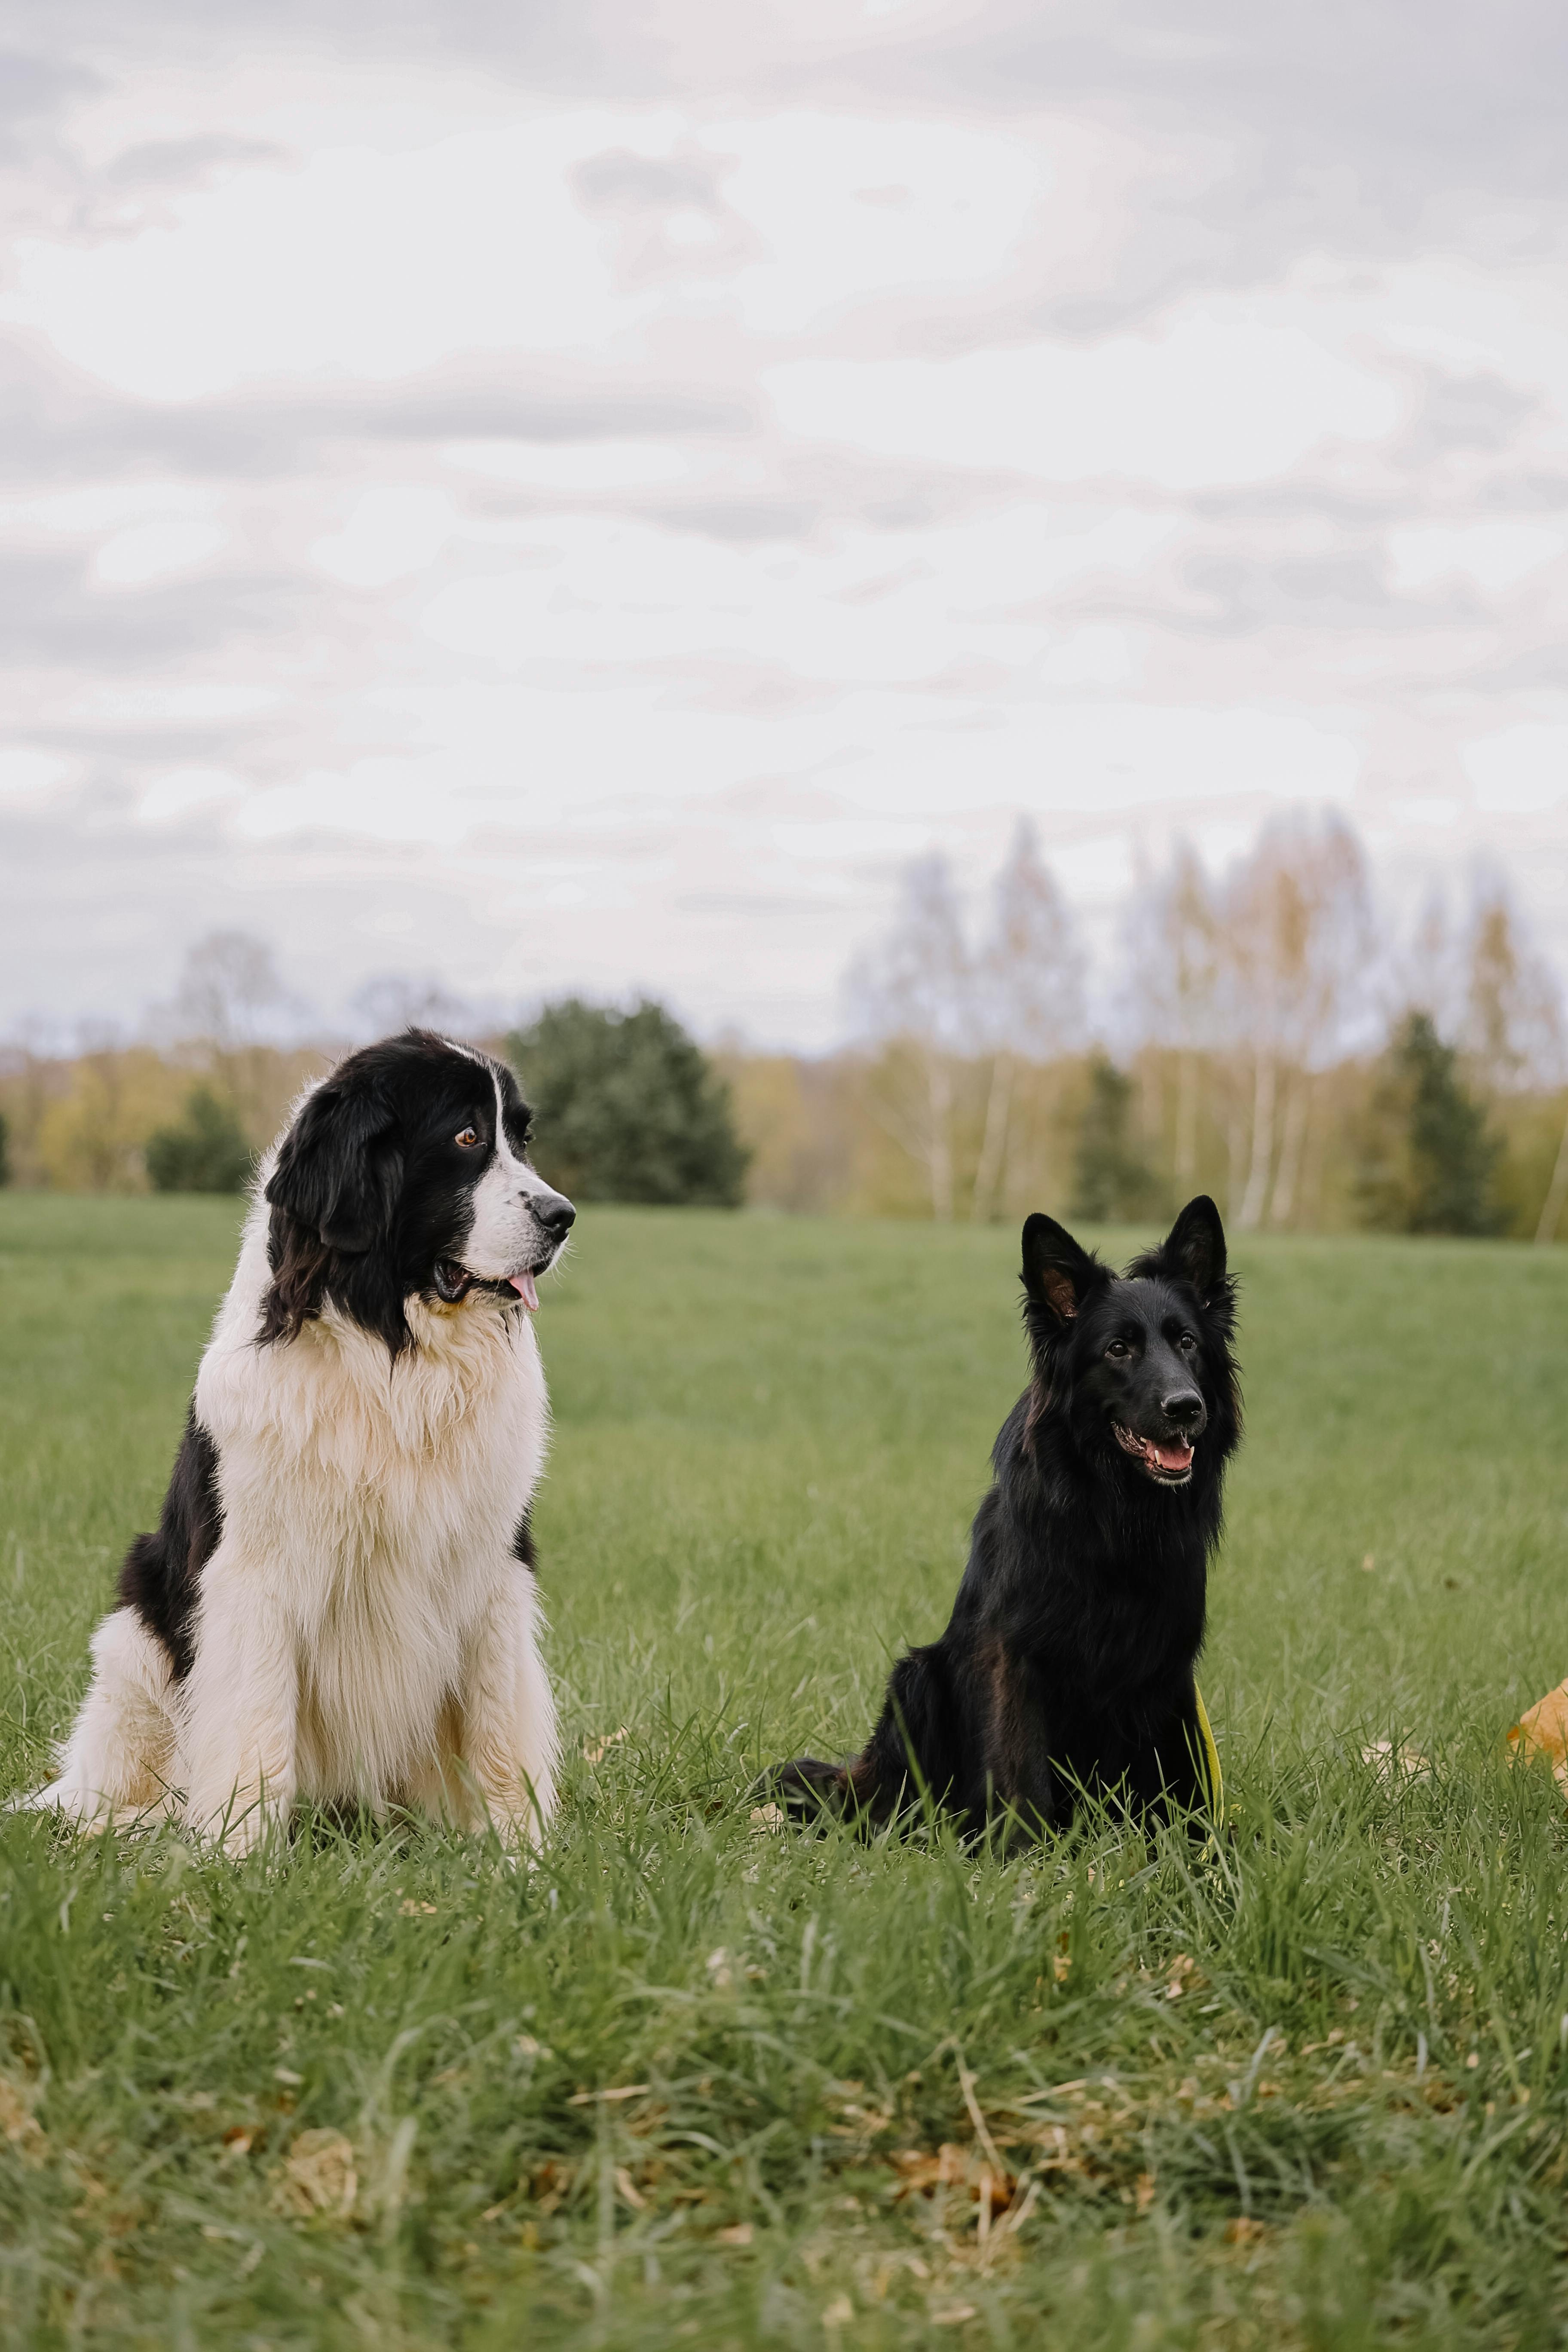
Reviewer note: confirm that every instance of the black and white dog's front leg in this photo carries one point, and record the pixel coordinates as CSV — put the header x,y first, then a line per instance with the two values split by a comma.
x,y
119,1763
240,1708
495,1751
509,1739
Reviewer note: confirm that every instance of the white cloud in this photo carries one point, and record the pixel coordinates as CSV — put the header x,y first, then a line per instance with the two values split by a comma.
x,y
1495,555
380,799
197,703
574,466
183,790
850,207
1211,401
26,771
1520,769
156,550
359,262
1080,461
389,533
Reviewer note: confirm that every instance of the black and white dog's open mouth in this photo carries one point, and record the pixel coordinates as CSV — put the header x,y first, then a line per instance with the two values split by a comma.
x,y
1167,1460
454,1282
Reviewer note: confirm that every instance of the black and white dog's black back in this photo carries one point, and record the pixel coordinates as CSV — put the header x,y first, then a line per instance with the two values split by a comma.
x,y
1068,1657
339,1600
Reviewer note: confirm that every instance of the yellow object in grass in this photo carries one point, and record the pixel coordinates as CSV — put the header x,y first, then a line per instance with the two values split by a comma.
x,y
1542,1733
1213,1777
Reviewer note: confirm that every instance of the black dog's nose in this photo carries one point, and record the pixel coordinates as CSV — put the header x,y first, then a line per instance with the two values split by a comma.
x,y
1184,1410
555,1214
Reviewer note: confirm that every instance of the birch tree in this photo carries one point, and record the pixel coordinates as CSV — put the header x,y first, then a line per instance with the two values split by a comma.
x,y
1027,996
1297,944
1511,1026
231,997
916,991
1174,937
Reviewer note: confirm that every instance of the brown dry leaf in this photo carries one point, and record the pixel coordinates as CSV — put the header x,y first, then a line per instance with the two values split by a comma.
x,y
1244,2231
17,2121
768,1820
1144,2192
596,1750
238,2140
412,1910
739,2235
859,2120
1541,1734
318,2176
1406,1760
953,2315
952,2167
549,2184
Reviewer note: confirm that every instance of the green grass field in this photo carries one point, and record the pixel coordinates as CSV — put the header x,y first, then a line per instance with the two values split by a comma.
x,y
691,2082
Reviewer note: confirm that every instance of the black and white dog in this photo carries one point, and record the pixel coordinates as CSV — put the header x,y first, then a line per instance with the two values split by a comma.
x,y
339,1601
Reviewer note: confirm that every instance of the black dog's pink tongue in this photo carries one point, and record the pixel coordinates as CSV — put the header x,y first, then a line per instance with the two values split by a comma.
x,y
1171,1457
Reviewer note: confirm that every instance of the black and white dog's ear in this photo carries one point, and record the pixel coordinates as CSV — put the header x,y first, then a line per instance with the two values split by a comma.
x,y
1058,1275
340,1166
1194,1246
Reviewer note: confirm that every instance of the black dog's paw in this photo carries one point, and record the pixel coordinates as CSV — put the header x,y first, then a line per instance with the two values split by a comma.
x,y
807,1789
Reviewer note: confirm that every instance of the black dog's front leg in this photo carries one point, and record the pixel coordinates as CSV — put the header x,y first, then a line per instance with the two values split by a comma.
x,y
1167,1772
914,1746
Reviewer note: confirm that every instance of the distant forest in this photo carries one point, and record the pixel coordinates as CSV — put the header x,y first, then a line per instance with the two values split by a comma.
x,y
1264,1038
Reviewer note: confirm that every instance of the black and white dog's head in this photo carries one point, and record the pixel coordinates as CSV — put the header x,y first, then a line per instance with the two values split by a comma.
x,y
406,1175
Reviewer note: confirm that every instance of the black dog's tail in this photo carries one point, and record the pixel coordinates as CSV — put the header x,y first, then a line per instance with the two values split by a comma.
x,y
809,1790
910,1755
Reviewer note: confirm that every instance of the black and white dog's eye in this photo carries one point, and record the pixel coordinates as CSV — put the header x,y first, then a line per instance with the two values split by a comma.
x,y
468,1136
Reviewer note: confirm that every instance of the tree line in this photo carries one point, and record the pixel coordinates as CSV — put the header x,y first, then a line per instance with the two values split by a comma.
x,y
1265,1038
628,1107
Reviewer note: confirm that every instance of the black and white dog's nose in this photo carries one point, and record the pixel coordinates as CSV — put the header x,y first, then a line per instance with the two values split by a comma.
x,y
555,1214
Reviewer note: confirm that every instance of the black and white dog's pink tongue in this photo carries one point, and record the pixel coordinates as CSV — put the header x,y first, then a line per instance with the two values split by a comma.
x,y
527,1290
1171,1457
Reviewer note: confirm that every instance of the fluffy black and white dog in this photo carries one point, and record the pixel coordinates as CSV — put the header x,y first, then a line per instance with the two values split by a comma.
x,y
340,1600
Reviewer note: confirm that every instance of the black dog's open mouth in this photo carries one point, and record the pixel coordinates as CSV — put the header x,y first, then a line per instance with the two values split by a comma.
x,y
454,1282
1169,1459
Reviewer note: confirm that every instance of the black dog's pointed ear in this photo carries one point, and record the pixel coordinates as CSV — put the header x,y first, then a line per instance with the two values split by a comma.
x,y
1195,1242
1058,1275
339,1168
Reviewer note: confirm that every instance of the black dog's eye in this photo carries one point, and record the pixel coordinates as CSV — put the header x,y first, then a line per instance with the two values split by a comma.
x,y
1118,1350
1187,1343
468,1138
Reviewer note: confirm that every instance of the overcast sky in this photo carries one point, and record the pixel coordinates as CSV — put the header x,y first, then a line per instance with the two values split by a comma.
x,y
581,505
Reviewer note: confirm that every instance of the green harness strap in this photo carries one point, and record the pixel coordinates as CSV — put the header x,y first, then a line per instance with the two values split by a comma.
x,y
1213,1776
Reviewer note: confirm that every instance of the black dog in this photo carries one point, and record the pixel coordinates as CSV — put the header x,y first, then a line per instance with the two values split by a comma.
x,y
1068,1658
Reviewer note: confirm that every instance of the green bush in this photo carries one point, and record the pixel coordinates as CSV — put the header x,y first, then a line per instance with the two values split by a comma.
x,y
628,1108
1112,1182
205,1152
1428,1164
